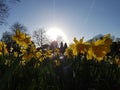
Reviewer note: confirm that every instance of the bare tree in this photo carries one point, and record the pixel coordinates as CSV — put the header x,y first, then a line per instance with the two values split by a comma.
x,y
19,26
7,39
4,10
40,38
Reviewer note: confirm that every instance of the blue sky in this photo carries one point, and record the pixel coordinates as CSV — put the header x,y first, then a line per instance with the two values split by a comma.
x,y
76,18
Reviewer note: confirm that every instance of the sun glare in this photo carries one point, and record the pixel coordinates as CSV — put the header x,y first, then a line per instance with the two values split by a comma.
x,y
54,33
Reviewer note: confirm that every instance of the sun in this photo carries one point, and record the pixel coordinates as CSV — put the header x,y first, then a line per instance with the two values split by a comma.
x,y
54,33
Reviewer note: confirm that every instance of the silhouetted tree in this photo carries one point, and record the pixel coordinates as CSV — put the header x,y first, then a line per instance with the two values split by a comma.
x,y
40,38
4,10
65,46
7,39
61,48
17,26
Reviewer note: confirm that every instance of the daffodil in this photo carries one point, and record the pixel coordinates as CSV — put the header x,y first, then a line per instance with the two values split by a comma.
x,y
97,52
57,62
117,60
15,54
69,53
3,49
73,48
28,53
40,56
22,63
21,39
48,53
56,51
28,56
100,48
18,36
79,47
26,41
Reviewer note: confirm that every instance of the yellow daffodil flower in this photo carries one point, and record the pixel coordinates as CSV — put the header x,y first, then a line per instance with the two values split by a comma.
x,y
57,62
99,48
48,54
56,51
3,49
21,39
15,54
18,36
40,56
30,53
22,63
69,53
27,56
117,60
79,47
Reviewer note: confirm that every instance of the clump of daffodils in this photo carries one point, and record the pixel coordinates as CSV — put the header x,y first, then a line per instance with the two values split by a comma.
x,y
22,39
94,49
28,49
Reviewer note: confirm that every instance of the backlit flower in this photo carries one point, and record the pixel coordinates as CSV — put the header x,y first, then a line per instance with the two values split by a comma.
x,y
29,53
18,36
15,54
99,48
117,60
39,56
48,54
57,62
28,56
21,39
3,49
56,51
69,53
79,47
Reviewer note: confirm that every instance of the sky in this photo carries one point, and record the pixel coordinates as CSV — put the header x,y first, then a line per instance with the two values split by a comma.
x,y
76,18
